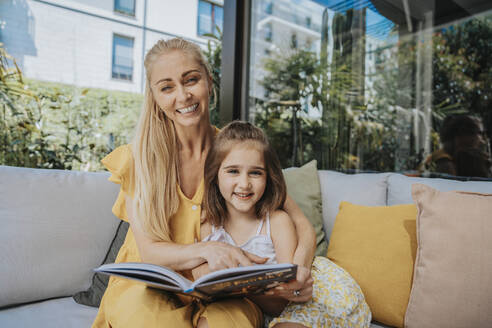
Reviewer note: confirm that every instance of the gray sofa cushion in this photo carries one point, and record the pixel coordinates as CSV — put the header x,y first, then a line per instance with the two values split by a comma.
x,y
56,226
59,313
93,295
56,313
362,189
400,187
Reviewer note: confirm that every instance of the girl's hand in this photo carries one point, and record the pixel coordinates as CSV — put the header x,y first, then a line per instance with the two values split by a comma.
x,y
303,284
222,256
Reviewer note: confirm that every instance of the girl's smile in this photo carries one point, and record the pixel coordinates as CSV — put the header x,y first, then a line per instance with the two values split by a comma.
x,y
244,195
242,179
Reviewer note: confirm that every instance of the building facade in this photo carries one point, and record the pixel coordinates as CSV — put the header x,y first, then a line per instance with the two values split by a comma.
x,y
98,44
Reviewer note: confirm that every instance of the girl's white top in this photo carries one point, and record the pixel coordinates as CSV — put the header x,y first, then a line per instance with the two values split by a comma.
x,y
259,244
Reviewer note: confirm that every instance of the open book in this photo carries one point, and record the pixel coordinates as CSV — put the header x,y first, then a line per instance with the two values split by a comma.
x,y
232,282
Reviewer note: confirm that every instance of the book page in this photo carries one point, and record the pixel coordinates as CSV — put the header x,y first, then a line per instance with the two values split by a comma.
x,y
232,272
150,283
247,284
146,272
232,282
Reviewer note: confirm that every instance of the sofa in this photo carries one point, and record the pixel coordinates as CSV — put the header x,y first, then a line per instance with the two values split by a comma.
x,y
56,226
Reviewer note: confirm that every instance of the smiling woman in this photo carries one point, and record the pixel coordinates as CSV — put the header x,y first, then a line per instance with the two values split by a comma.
x,y
161,177
178,77
181,87
161,188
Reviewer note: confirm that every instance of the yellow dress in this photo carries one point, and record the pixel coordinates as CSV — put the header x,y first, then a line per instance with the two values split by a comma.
x,y
131,304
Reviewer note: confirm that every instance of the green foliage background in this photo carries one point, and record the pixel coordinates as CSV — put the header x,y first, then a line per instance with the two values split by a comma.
x,y
56,126
357,132
49,125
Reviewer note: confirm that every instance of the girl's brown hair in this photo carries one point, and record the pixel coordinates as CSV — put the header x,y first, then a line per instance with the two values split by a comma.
x,y
234,133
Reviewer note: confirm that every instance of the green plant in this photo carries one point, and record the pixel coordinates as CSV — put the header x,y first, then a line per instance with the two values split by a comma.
x,y
372,128
50,125
213,53
289,82
23,140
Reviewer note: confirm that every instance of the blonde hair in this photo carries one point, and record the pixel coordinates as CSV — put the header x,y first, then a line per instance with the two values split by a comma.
x,y
155,151
232,134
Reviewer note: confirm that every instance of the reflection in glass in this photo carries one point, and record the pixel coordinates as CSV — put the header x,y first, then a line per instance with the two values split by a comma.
x,y
465,148
218,19
210,18
360,86
204,17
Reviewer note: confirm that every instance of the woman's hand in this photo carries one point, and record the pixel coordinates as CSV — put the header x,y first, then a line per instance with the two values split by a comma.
x,y
299,290
200,271
222,256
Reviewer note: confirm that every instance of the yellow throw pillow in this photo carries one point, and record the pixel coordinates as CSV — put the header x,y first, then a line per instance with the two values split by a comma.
x,y
377,246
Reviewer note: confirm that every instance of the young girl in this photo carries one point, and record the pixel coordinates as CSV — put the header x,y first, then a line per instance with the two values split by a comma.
x,y
244,193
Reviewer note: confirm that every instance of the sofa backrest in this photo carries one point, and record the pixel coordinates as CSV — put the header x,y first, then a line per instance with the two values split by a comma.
x,y
379,189
400,187
55,226
361,189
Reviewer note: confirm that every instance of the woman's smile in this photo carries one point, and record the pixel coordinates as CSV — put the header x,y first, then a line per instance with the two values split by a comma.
x,y
181,88
188,109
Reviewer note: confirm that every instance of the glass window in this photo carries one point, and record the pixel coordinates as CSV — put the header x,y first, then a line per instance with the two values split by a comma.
x,y
382,88
268,32
126,7
210,18
293,41
218,19
204,17
122,57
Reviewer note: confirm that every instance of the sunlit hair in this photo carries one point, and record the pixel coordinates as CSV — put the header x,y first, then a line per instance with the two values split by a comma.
x,y
247,135
155,150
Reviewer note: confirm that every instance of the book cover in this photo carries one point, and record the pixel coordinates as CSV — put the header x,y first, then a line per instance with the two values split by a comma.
x,y
232,282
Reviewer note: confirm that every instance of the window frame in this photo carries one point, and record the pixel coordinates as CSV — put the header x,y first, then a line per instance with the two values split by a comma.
x,y
234,83
212,19
268,32
113,56
123,12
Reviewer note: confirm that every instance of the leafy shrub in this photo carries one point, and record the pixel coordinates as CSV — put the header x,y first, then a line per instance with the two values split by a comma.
x,y
50,125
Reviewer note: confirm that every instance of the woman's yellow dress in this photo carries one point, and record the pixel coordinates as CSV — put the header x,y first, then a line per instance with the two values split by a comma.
x,y
131,304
